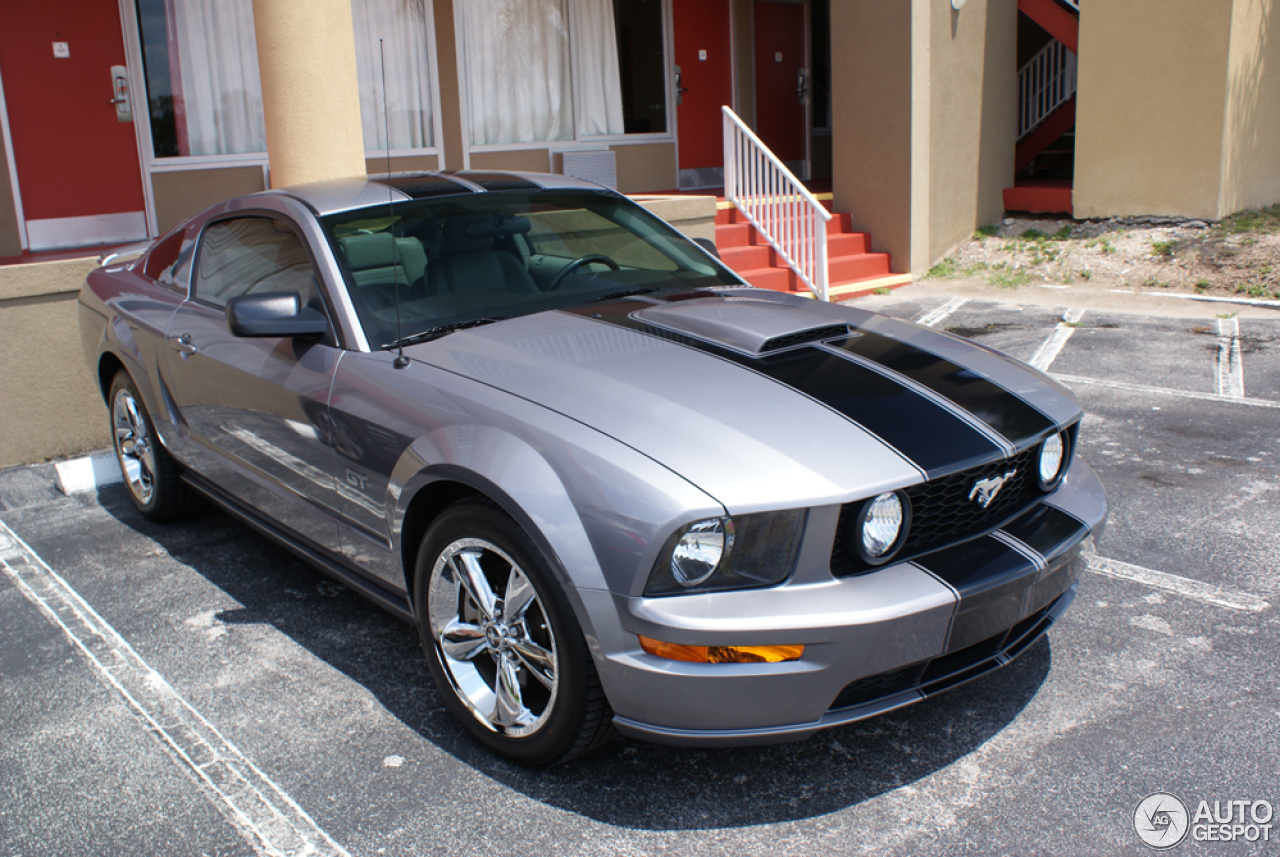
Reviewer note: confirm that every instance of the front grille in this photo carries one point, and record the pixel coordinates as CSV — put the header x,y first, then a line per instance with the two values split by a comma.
x,y
943,514
947,671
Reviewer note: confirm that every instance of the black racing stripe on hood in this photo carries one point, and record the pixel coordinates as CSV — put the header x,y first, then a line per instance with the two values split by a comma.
x,y
923,431
1007,414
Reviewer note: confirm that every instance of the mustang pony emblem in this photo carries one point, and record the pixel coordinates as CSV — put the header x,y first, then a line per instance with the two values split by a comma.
x,y
987,489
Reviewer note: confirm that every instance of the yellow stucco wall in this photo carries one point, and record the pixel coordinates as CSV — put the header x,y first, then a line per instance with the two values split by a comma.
x,y
519,160
871,160
1251,148
310,94
53,407
180,194
646,168
1149,123
924,102
973,121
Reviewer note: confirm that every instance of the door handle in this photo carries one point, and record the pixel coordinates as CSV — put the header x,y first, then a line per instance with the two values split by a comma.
x,y
120,93
184,346
680,88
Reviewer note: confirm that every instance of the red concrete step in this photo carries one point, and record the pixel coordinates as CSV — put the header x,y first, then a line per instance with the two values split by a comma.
x,y
734,235
1041,196
776,279
840,222
748,258
845,244
850,260
849,268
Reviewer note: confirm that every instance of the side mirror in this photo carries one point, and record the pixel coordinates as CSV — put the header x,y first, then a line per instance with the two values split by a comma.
x,y
708,245
274,314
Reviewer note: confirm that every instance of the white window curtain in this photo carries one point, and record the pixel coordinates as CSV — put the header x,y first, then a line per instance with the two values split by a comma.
x,y
599,81
518,70
402,26
218,98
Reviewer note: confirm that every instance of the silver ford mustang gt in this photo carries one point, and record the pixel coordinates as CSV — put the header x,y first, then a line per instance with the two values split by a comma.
x,y
614,486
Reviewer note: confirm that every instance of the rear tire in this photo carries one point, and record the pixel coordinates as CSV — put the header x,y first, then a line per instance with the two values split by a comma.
x,y
151,475
502,641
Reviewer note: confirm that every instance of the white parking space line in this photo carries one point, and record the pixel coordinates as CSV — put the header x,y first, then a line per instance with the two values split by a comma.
x,y
1077,380
269,820
1052,347
1230,367
1186,587
934,316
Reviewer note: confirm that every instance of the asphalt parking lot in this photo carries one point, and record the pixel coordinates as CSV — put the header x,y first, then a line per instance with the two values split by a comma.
x,y
190,689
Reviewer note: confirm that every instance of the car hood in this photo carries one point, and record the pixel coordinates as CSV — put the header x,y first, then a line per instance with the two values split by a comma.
x,y
765,400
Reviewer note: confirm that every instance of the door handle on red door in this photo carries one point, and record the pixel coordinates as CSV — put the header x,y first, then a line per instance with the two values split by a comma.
x,y
184,346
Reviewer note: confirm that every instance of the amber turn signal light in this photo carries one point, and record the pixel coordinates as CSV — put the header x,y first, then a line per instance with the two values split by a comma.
x,y
721,654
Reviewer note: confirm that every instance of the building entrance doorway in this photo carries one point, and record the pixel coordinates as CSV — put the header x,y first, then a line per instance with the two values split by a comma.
x,y
782,82
69,111
704,82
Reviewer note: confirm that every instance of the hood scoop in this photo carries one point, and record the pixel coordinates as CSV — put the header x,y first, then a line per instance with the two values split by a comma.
x,y
745,324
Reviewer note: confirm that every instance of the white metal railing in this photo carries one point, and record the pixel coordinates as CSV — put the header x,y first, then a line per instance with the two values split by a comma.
x,y
775,202
1046,82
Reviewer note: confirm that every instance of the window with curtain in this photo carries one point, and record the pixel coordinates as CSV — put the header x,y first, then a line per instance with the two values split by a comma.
x,y
402,27
540,71
205,96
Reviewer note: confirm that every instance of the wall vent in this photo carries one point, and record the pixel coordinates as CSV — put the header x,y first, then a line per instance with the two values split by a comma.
x,y
599,167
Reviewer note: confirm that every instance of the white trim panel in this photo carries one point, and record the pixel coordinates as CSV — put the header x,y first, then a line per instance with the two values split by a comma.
x,y
56,233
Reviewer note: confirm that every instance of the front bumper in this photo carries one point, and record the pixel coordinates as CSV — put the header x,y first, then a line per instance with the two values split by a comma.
x,y
873,642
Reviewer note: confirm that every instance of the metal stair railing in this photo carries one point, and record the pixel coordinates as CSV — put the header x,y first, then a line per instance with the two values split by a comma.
x,y
776,203
1045,83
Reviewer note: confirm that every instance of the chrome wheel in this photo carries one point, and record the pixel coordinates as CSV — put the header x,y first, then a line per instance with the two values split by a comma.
x,y
493,637
133,445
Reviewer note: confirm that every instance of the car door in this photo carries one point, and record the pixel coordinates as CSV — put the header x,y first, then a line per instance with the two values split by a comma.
x,y
254,409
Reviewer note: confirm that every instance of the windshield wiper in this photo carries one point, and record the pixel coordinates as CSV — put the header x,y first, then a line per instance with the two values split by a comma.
x,y
436,332
613,296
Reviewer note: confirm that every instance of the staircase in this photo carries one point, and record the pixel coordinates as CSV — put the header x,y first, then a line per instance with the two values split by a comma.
x,y
854,270
777,235
1045,158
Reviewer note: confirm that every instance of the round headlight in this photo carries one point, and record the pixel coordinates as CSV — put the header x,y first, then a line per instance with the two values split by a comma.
x,y
881,526
700,549
1052,454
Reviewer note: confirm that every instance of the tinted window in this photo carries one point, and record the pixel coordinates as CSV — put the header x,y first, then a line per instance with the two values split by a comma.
x,y
252,254
438,262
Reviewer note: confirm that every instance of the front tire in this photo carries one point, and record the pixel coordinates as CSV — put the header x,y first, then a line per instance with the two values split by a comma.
x,y
502,642
150,473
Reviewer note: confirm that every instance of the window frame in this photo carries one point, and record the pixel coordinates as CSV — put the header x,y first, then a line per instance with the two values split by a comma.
x,y
334,335
577,142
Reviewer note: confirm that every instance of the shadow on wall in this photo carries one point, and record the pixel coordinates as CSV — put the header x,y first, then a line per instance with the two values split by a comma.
x,y
626,783
1251,158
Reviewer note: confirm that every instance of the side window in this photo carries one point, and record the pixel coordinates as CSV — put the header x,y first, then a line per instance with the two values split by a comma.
x,y
252,254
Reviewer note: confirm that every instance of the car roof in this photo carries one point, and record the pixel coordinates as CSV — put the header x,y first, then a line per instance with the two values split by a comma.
x,y
330,197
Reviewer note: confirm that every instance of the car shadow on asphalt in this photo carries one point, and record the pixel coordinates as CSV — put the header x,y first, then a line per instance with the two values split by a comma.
x,y
626,783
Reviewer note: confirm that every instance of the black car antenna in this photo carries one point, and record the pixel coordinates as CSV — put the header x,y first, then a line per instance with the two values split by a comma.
x,y
401,361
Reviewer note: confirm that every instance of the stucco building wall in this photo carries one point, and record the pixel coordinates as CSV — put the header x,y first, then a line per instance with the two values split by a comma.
x,y
52,406
1251,150
924,112
1149,122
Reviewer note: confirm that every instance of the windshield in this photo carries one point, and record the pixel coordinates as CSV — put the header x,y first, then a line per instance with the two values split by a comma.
x,y
445,263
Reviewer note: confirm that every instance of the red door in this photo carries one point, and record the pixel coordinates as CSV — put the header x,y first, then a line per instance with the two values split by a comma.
x,y
705,61
781,118
77,163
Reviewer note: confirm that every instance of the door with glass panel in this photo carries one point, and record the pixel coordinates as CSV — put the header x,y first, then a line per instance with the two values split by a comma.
x,y
255,409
